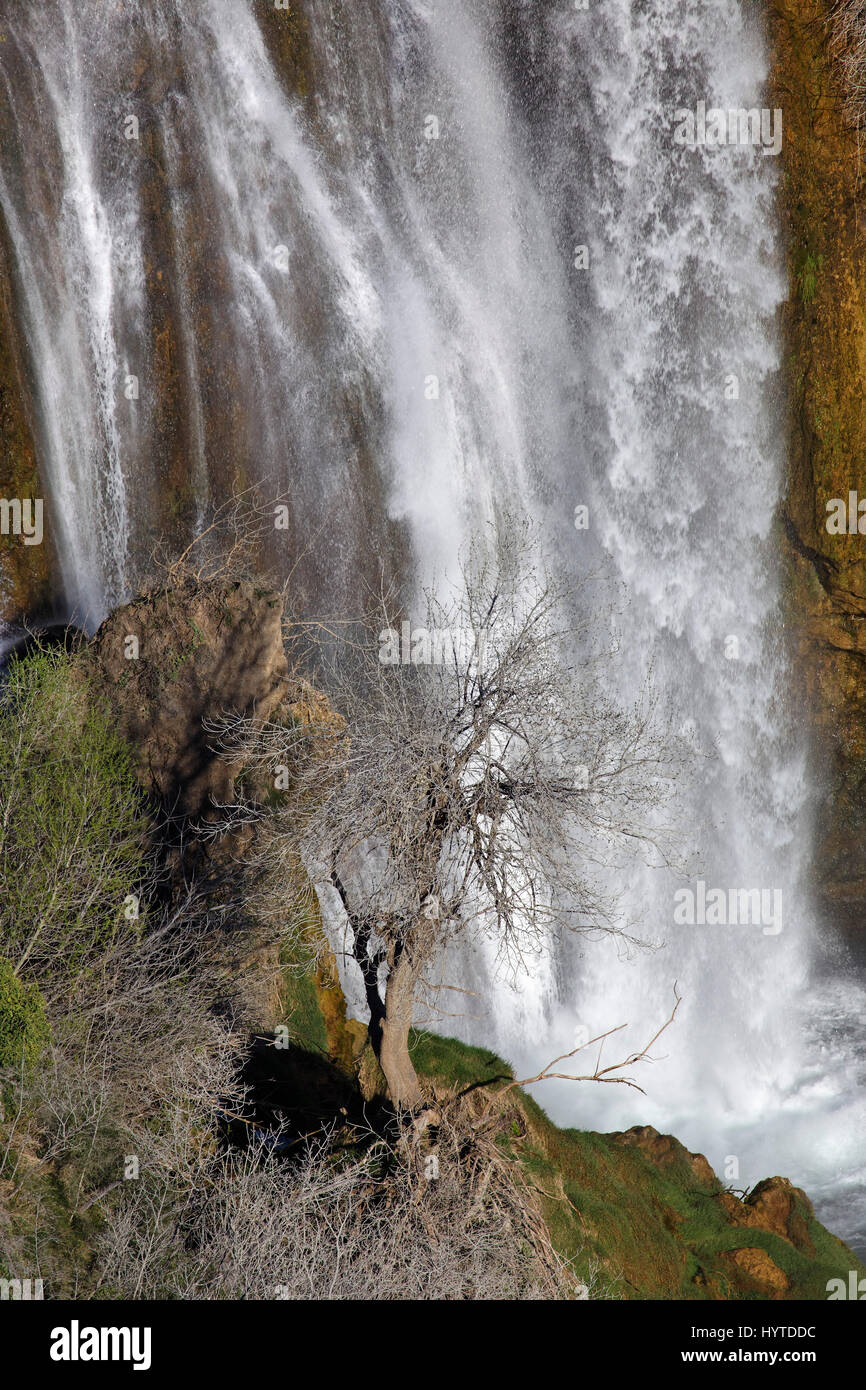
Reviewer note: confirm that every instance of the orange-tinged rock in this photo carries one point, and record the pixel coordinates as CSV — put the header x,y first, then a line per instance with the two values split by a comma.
x,y
757,1265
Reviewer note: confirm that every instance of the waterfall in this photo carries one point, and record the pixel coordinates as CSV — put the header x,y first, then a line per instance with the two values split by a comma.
x,y
682,469
362,289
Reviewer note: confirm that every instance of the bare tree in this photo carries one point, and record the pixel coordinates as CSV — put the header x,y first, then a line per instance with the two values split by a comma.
x,y
482,781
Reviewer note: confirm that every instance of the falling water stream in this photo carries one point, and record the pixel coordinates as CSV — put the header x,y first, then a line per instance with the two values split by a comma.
x,y
366,291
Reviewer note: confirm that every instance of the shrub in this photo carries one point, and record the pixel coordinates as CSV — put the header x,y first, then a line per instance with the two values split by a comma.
x,y
24,1030
73,830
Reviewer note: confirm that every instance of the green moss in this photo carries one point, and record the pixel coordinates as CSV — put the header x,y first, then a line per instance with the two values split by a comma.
x,y
300,1001
310,995
454,1063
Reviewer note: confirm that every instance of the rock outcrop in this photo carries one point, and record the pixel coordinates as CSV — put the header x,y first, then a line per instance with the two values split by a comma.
x,y
167,664
667,1151
775,1205
738,1262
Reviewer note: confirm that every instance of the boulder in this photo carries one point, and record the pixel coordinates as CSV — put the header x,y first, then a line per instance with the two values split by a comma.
x,y
166,664
777,1206
757,1266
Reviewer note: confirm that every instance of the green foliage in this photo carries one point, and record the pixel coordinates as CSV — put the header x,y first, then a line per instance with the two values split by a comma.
x,y
73,831
808,268
24,1030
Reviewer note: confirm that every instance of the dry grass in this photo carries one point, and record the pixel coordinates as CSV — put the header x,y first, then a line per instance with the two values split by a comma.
x,y
437,1210
847,46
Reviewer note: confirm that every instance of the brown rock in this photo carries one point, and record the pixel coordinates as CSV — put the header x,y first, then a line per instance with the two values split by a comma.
x,y
825,332
757,1265
166,664
665,1150
775,1205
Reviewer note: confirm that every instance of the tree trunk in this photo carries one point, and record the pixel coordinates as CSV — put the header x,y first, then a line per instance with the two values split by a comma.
x,y
389,1022
393,1049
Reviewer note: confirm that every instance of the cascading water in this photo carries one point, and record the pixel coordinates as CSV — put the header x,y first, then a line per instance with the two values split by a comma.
x,y
366,295
682,470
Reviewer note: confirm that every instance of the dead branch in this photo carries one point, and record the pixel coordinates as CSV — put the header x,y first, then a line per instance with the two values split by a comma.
x,y
601,1074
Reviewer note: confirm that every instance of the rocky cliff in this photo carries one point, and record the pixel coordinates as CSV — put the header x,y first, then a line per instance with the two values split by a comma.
x,y
822,201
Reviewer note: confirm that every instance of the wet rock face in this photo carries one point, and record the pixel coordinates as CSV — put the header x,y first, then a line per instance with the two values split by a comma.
x,y
167,663
26,570
148,202
825,325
